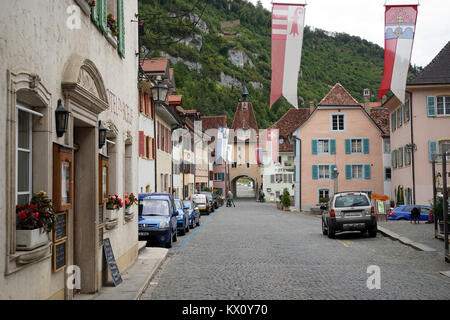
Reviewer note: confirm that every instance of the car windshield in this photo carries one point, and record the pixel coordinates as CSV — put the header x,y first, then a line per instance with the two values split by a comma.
x,y
154,207
354,200
187,203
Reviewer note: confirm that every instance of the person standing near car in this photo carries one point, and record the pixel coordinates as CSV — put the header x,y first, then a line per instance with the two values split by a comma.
x,y
415,215
230,197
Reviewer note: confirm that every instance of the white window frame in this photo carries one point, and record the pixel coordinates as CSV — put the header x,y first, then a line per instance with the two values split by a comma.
x,y
344,122
388,143
353,171
327,169
445,99
321,144
446,141
323,189
21,108
360,140
385,175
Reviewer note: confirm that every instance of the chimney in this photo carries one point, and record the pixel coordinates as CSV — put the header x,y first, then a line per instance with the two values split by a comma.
x,y
311,107
366,95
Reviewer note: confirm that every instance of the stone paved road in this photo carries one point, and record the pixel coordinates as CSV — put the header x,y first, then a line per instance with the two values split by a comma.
x,y
254,251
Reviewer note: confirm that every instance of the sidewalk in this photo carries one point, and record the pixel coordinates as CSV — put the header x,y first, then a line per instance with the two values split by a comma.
x,y
136,278
419,236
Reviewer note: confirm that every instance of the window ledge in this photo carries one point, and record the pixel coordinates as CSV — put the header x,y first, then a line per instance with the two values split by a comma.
x,y
85,7
112,39
23,259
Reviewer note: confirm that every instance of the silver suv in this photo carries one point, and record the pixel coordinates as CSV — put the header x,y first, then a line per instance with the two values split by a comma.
x,y
349,211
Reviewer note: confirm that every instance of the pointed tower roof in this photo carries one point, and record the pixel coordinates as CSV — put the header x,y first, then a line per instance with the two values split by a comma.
x,y
244,117
338,96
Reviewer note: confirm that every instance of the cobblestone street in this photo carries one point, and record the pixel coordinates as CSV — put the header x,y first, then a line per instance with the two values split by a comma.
x,y
254,251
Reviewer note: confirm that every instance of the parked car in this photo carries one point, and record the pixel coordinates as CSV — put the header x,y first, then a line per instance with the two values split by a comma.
x,y
202,203
182,217
403,212
349,211
212,201
157,219
193,212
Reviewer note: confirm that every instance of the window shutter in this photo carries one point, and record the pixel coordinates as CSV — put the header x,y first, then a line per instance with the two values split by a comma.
x,y
146,103
431,106
367,171
154,148
392,159
147,147
395,120
348,172
366,146
141,143
432,149
295,173
121,24
102,12
333,146
332,167
407,110
348,146
140,101
166,139
315,172
94,13
314,147
400,153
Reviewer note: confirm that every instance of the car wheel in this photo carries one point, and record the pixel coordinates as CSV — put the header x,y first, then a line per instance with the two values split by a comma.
x,y
331,232
187,227
175,236
373,232
363,231
324,230
169,244
182,232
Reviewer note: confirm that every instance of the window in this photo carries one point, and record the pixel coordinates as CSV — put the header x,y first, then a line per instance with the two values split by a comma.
x,y
337,122
400,157
387,146
357,171
399,117
407,156
407,111
234,165
24,158
323,146
444,146
443,106
324,172
356,145
324,195
219,176
387,174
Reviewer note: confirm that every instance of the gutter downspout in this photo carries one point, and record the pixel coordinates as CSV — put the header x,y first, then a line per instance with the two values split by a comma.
x,y
156,148
413,165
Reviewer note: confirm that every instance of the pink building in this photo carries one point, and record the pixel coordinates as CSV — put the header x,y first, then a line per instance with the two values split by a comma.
x,y
421,128
340,134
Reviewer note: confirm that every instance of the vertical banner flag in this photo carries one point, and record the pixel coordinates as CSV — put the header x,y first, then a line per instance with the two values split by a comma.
x,y
400,27
222,142
288,22
270,144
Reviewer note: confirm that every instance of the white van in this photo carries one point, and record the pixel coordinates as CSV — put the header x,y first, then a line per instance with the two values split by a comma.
x,y
201,202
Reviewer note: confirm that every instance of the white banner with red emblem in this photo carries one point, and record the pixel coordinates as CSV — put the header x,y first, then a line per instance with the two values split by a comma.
x,y
288,22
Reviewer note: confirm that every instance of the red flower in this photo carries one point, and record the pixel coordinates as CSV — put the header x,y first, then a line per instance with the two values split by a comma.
x,y
36,215
127,201
33,207
22,214
114,197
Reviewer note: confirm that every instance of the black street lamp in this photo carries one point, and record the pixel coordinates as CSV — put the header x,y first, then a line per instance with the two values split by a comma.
x,y
101,135
62,119
159,92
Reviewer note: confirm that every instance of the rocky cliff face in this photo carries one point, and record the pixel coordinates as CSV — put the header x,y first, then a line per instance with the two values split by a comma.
x,y
239,58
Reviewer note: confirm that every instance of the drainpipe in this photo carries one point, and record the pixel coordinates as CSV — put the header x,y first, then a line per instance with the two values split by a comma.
x,y
156,150
413,164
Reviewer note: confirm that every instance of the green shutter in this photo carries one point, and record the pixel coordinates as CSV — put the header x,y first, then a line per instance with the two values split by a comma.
x,y
432,149
333,146
431,106
367,171
315,172
94,13
102,14
366,146
121,23
348,172
332,167
407,110
348,146
314,147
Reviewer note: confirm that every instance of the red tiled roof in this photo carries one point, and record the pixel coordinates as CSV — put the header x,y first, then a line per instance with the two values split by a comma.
x,y
381,117
338,96
213,122
288,123
244,118
437,71
154,65
175,100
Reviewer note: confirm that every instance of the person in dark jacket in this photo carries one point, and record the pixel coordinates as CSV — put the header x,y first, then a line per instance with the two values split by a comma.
x,y
415,215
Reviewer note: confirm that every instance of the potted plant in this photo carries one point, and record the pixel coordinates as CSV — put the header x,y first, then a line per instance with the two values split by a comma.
x,y
112,24
286,200
112,207
130,200
438,212
34,221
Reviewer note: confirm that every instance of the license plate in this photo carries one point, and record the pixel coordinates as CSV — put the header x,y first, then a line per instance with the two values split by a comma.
x,y
144,233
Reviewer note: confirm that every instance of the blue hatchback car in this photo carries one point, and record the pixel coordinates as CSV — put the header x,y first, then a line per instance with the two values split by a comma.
x,y
157,218
403,212
182,217
194,213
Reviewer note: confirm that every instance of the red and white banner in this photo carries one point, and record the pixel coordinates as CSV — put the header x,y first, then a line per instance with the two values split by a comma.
x,y
269,142
400,27
288,22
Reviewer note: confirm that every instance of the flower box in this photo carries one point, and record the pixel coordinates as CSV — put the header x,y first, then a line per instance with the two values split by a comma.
x,y
111,215
31,239
129,211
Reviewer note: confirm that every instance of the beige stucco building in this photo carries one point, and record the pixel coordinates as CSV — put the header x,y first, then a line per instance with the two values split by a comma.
x,y
53,50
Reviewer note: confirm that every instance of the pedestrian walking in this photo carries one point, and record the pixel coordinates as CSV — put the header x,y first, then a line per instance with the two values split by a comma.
x,y
415,215
230,199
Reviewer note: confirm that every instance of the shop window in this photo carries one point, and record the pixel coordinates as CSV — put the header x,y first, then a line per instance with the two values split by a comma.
x,y
24,158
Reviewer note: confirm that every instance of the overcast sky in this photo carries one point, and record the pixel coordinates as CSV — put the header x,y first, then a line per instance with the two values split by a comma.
x,y
365,18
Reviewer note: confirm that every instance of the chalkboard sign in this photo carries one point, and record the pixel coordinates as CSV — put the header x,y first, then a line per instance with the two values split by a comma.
x,y
111,261
59,256
61,227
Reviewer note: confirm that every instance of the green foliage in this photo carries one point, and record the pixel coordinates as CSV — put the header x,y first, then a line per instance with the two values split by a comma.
x,y
326,59
438,208
286,199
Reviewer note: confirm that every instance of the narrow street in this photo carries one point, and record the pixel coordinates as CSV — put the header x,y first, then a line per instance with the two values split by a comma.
x,y
254,251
